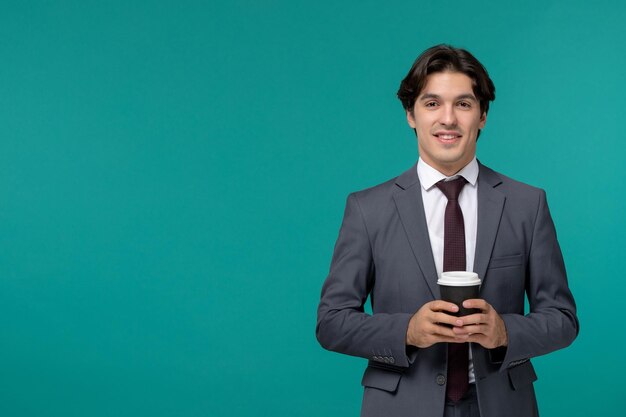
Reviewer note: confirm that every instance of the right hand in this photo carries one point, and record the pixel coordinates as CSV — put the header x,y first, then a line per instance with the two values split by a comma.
x,y
426,329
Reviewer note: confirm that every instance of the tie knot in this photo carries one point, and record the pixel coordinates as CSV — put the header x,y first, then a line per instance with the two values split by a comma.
x,y
452,189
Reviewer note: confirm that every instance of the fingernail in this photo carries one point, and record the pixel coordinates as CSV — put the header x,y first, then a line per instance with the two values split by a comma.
x,y
459,322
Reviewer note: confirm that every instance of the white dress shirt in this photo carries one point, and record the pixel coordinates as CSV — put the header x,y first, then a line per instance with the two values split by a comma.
x,y
435,207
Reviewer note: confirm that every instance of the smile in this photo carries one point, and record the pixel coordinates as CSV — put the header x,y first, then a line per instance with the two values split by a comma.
x,y
447,135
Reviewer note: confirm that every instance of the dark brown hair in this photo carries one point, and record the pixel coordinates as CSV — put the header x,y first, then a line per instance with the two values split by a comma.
x,y
441,58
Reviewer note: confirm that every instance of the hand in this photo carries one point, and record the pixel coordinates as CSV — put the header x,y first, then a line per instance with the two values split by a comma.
x,y
485,328
426,327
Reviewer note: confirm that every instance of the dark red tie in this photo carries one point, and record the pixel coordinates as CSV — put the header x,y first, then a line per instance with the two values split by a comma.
x,y
454,260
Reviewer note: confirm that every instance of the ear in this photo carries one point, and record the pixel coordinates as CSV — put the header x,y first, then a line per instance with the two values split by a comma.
x,y
483,120
410,118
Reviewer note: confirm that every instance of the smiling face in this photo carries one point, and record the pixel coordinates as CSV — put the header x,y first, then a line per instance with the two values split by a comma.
x,y
447,117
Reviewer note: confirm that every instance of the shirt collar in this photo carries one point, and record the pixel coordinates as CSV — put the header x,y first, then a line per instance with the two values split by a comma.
x,y
429,176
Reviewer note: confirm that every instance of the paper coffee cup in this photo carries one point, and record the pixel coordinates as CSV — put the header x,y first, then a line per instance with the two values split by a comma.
x,y
458,286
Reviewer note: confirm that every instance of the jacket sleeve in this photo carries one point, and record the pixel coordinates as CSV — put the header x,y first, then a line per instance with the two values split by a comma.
x,y
342,324
551,323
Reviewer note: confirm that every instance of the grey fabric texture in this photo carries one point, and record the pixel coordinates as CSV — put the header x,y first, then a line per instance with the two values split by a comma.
x,y
383,251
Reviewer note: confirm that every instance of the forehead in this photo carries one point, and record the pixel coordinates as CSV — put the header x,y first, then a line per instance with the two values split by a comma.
x,y
448,84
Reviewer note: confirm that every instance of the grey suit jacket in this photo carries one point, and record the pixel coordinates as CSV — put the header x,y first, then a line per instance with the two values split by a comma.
x,y
383,251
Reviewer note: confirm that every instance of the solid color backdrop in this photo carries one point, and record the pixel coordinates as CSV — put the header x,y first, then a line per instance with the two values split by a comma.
x,y
173,176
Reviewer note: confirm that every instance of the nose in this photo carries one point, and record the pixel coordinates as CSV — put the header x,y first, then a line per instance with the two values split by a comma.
x,y
448,116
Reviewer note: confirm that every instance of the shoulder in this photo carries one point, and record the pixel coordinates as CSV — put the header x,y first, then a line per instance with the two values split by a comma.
x,y
509,186
380,196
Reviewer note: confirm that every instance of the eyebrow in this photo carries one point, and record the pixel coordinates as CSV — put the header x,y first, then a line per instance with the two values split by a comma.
x,y
428,96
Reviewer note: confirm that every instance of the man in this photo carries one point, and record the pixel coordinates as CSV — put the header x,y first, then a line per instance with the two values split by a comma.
x,y
397,238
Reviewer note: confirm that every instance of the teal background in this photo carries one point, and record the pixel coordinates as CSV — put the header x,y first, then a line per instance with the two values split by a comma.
x,y
173,176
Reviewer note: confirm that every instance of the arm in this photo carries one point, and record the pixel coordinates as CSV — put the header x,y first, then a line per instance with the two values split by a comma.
x,y
342,324
551,323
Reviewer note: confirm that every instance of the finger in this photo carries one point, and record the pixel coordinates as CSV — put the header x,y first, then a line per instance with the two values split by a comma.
x,y
477,318
473,329
482,340
440,305
444,331
461,331
476,303
453,340
446,319
448,339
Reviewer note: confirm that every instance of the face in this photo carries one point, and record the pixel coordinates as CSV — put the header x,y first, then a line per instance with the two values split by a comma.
x,y
447,118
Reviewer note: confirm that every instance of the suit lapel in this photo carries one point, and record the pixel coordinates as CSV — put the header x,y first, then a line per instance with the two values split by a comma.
x,y
490,206
408,200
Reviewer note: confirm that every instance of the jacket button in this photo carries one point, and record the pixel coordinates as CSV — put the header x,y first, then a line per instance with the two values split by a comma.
x,y
441,380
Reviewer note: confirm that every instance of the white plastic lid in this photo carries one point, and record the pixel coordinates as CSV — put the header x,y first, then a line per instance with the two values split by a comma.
x,y
459,279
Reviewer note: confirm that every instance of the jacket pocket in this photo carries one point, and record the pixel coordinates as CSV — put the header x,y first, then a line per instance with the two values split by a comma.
x,y
522,375
506,261
381,378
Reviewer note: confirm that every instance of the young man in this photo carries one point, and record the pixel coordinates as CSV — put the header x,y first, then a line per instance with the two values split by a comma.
x,y
447,212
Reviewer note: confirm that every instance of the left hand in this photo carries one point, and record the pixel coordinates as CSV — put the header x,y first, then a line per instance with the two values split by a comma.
x,y
485,328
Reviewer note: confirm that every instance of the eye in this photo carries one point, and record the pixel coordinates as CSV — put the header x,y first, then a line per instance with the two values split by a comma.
x,y
464,104
430,104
